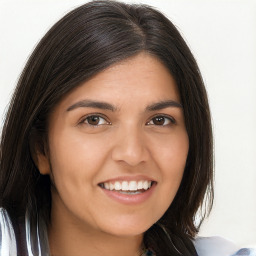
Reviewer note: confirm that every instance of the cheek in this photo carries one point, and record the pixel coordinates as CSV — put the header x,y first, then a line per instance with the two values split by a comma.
x,y
75,160
171,151
170,155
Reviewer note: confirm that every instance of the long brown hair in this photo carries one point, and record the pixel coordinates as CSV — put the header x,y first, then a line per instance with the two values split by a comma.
x,y
83,43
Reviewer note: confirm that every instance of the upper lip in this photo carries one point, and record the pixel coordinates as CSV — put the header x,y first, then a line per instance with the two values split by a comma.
x,y
128,178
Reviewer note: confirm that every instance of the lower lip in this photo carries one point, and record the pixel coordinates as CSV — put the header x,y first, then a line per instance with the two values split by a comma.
x,y
132,198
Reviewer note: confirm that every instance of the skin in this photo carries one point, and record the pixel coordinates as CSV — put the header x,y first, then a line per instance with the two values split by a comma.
x,y
128,141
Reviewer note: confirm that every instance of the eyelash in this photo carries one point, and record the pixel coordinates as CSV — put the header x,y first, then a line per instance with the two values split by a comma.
x,y
85,120
171,120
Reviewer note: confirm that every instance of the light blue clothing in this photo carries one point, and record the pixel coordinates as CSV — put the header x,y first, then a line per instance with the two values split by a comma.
x,y
217,246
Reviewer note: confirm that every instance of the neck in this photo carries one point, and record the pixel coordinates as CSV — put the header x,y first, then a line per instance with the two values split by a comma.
x,y
77,243
69,238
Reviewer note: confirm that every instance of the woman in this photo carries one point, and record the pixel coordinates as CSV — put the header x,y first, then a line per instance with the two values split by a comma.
x,y
108,136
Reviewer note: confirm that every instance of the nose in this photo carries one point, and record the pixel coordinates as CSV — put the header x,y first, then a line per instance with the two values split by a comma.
x,y
130,147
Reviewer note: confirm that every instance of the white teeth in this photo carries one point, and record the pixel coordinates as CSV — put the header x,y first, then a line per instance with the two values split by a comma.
x,y
118,186
127,186
145,185
111,186
140,185
133,186
106,185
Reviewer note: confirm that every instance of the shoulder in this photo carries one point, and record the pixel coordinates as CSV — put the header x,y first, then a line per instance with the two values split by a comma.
x,y
212,246
7,236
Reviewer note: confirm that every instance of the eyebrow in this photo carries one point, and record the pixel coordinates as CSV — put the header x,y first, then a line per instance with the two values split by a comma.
x,y
92,104
106,106
163,104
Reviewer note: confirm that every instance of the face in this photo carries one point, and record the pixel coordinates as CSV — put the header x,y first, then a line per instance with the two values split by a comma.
x,y
117,148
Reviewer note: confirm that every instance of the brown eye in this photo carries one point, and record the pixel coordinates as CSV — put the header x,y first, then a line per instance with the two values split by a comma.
x,y
161,121
95,120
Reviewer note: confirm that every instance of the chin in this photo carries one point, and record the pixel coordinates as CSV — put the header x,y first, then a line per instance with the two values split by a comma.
x,y
125,232
124,229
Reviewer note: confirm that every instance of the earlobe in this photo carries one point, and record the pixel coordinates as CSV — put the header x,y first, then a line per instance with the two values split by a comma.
x,y
43,163
39,154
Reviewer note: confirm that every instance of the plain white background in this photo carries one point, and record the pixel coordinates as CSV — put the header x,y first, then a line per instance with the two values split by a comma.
x,y
222,36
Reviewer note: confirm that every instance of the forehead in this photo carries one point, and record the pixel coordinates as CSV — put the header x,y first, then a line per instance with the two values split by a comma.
x,y
139,79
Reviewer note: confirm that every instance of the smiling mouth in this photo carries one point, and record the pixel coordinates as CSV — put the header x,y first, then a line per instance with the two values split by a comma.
x,y
128,187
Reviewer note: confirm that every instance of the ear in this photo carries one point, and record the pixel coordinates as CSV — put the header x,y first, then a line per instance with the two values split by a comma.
x,y
39,152
43,163
40,157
